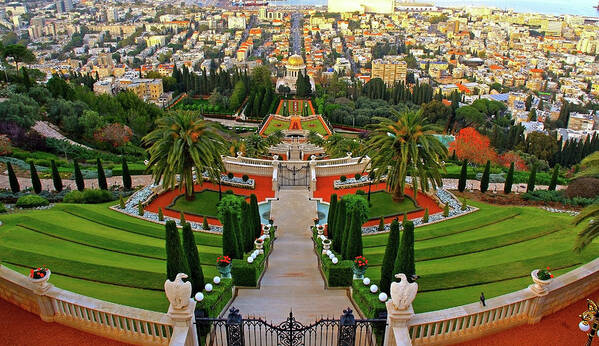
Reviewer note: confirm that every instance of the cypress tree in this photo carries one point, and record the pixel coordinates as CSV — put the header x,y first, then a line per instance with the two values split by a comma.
x,y
531,179
229,238
349,226
35,179
246,229
507,186
340,220
239,234
389,257
101,176
122,204
354,244
160,215
126,175
425,217
175,260
140,209
331,217
463,176
446,210
553,182
196,276
255,215
12,179
56,177
404,262
205,225
382,224
484,181
78,177
182,219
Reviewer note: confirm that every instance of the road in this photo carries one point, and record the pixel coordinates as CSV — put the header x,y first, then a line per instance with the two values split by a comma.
x,y
296,33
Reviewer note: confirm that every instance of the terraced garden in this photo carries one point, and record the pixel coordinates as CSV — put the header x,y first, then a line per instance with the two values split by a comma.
x,y
98,252
490,251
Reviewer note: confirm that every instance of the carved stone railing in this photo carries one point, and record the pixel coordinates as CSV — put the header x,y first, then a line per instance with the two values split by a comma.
x,y
527,306
94,316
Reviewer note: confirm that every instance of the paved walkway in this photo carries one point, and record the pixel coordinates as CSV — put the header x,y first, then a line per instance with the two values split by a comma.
x,y
47,184
292,280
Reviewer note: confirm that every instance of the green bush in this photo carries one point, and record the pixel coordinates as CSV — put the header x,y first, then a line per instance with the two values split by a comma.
x,y
337,275
230,175
446,210
245,178
134,169
343,178
368,302
32,201
75,196
244,273
89,196
2,208
357,176
216,300
558,197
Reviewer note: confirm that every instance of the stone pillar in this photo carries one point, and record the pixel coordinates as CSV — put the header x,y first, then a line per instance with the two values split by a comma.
x,y
40,288
275,173
540,288
312,177
181,311
400,312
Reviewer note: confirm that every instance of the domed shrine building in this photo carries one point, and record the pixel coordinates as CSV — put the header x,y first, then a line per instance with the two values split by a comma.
x,y
295,66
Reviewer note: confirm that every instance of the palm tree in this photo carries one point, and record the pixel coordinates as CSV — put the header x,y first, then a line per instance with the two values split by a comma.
x,y
180,143
406,146
590,168
591,231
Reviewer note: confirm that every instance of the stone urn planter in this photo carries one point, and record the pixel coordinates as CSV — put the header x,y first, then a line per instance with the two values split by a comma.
x,y
266,230
358,272
320,229
540,286
326,246
259,243
41,284
225,271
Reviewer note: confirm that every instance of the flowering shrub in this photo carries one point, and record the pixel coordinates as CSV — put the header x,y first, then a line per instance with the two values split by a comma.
x,y
223,261
544,274
506,158
38,273
361,262
471,145
115,134
5,147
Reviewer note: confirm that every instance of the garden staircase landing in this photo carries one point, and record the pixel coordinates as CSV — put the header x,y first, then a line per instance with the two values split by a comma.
x,y
292,280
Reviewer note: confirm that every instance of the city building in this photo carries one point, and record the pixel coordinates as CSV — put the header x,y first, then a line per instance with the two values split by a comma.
x,y
362,6
390,70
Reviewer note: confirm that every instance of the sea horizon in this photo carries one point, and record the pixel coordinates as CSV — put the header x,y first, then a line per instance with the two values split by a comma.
x,y
549,7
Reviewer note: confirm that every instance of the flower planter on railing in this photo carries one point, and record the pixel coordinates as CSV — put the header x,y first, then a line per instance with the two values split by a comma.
x,y
540,286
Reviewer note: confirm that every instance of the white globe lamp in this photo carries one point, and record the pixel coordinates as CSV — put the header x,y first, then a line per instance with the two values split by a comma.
x,y
366,281
199,296
216,280
208,287
335,260
383,297
373,288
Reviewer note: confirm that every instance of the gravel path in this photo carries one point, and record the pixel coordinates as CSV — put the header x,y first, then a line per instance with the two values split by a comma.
x,y
47,130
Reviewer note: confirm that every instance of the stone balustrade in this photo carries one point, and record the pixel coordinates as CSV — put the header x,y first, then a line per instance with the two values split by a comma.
x,y
471,321
114,321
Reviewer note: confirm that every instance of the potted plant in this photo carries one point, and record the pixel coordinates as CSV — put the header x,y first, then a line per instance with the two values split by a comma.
x,y
259,243
359,267
40,277
320,229
223,264
542,278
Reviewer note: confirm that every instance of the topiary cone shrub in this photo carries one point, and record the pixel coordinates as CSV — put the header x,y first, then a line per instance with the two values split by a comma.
x,y
446,210
205,225
121,202
35,179
140,209
464,206
358,176
160,215
12,178
425,217
78,176
343,178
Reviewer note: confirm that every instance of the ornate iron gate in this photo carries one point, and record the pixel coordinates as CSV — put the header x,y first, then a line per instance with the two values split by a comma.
x,y
238,331
294,176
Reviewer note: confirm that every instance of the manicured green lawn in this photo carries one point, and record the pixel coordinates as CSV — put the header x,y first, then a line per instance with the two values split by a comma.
x,y
314,125
204,204
276,125
98,252
382,204
492,250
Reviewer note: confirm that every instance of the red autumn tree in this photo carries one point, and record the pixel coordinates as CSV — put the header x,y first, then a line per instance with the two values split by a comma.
x,y
471,145
115,134
508,157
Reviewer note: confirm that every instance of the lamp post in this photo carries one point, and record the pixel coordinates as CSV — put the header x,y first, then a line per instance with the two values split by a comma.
x,y
590,316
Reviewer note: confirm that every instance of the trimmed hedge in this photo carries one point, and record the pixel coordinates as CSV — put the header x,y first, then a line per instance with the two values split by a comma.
x,y
244,273
216,300
336,275
32,201
89,196
134,169
368,302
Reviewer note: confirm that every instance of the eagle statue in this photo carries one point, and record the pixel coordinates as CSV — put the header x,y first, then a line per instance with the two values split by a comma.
x,y
178,292
403,292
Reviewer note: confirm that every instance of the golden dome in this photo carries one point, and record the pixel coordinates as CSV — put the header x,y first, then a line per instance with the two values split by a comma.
x,y
295,60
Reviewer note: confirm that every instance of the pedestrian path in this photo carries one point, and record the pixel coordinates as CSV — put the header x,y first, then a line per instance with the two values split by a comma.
x,y
292,280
